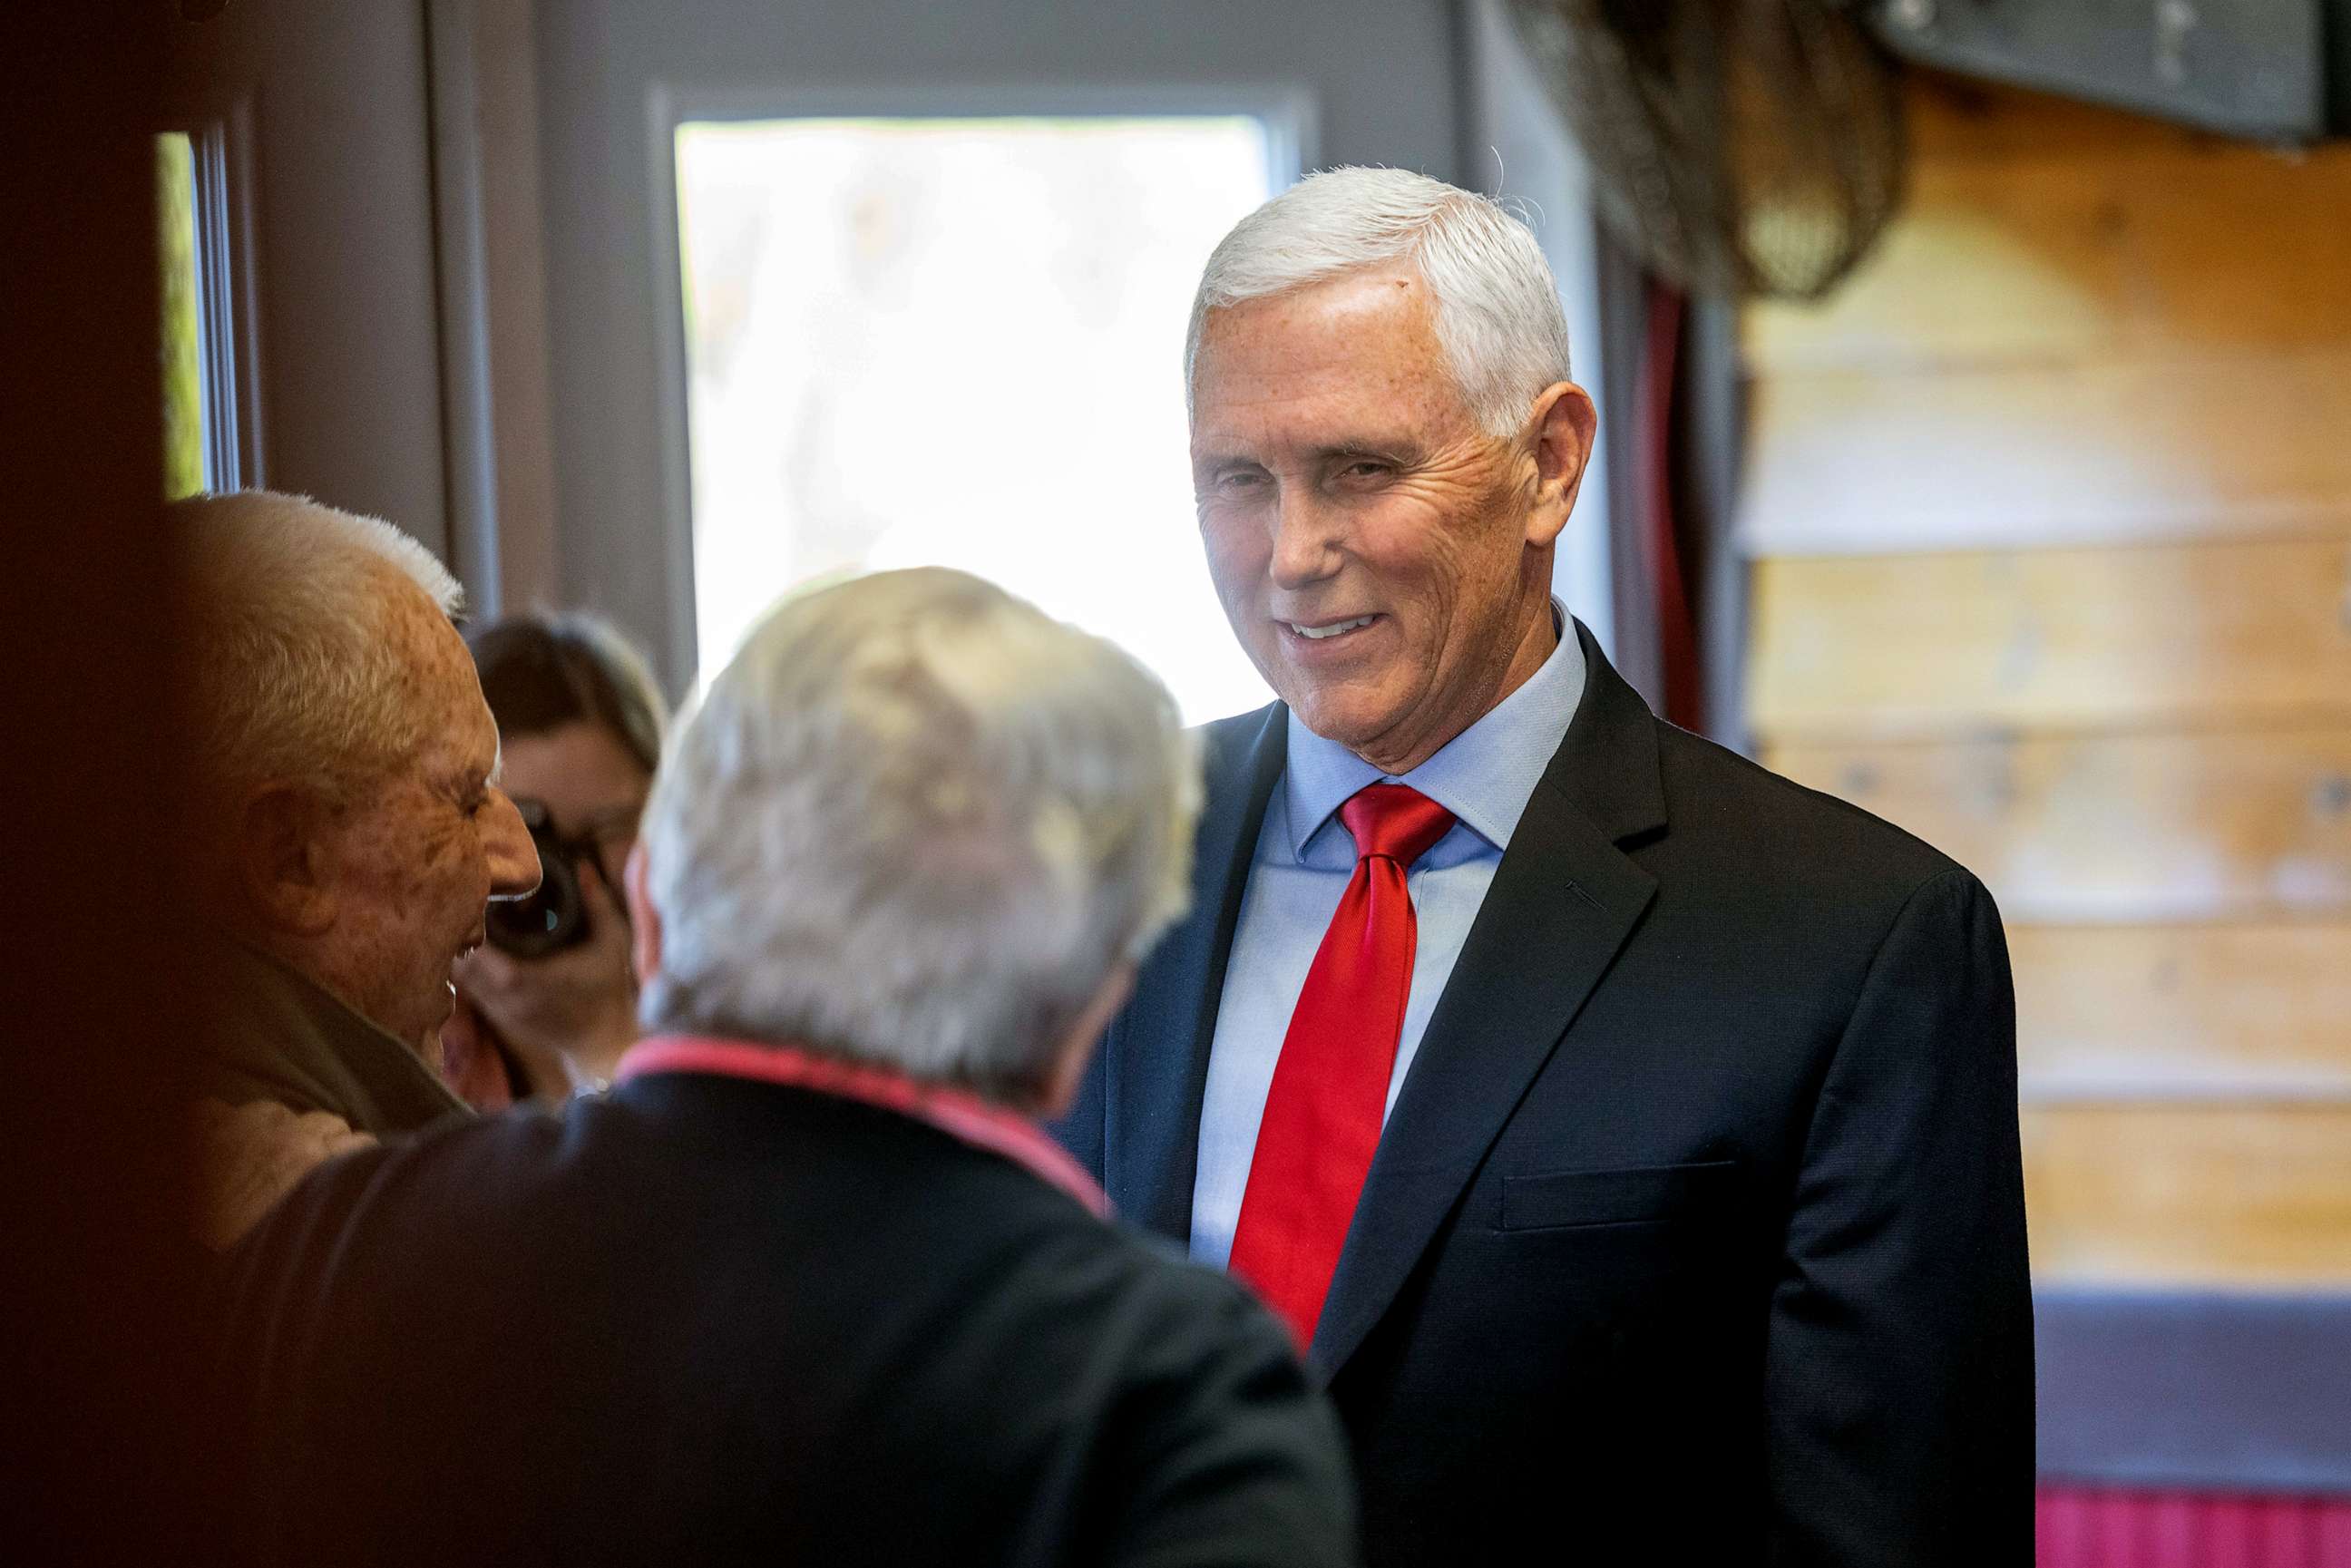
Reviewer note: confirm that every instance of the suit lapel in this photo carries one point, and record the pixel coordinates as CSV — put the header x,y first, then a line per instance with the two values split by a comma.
x,y
1563,901
1155,1059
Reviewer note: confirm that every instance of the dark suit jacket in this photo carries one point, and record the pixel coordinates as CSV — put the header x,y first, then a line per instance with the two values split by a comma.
x,y
703,1320
1696,1232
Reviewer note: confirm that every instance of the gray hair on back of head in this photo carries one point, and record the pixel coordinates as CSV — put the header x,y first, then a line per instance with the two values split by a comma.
x,y
1498,314
296,676
915,823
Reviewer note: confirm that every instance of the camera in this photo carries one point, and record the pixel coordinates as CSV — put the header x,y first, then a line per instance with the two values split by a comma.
x,y
553,916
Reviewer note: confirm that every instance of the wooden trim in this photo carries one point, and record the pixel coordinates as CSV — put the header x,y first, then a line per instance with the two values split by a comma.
x,y
2238,823
1942,646
2184,1013
2252,1196
1864,462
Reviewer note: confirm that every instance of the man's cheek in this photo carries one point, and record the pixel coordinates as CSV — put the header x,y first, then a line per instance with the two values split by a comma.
x,y
1238,595
1235,539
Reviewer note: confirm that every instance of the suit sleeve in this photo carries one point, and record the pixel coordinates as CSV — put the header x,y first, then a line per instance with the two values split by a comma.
x,y
1900,1369
265,1304
1236,1462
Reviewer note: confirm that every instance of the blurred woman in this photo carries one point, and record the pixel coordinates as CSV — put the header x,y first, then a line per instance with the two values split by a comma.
x,y
547,1005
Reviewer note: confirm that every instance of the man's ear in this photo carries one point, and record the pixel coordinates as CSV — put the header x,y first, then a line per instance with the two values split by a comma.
x,y
1560,427
644,920
1078,1046
283,869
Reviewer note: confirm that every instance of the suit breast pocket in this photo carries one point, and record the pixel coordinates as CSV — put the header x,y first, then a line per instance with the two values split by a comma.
x,y
1644,1194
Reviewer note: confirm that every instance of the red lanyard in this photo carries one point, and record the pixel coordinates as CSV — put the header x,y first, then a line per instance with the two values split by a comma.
x,y
955,1111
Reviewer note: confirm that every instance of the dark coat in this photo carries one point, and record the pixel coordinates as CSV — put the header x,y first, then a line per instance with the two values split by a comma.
x,y
275,1034
1696,1232
706,1320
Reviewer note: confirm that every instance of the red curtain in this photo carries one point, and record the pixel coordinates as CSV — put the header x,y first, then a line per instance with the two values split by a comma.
x,y
1661,533
2111,1528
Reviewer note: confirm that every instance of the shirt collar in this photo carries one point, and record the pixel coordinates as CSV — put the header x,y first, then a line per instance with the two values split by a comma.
x,y
1484,776
956,1111
288,1038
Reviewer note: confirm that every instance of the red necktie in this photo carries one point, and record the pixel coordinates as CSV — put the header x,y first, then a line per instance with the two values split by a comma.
x,y
1331,1083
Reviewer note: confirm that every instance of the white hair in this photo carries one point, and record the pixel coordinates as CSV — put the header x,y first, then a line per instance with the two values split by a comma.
x,y
914,823
295,673
1498,315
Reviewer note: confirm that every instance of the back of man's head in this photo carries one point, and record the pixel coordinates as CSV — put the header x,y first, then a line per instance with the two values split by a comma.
x,y
297,674
916,823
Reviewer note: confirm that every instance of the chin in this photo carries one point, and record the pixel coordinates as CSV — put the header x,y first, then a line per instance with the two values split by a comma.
x,y
1347,723
426,1040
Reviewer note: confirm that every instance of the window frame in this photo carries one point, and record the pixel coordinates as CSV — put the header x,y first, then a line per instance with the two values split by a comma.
x,y
1287,111
228,301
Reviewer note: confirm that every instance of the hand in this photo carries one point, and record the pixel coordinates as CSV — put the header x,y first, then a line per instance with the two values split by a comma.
x,y
568,1015
249,1157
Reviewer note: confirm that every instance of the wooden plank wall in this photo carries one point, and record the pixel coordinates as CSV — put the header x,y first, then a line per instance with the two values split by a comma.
x,y
2049,518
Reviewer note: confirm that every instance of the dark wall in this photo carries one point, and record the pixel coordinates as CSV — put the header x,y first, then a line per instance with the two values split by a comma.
x,y
93,1438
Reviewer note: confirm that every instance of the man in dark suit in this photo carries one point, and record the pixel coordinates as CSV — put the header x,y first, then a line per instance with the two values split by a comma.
x,y
1629,1134
809,1286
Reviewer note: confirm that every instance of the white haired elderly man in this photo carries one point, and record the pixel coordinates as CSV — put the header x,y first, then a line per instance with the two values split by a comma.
x,y
1628,1135
808,1285
348,830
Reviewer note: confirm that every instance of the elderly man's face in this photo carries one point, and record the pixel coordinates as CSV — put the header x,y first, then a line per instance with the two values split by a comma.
x,y
1385,563
410,865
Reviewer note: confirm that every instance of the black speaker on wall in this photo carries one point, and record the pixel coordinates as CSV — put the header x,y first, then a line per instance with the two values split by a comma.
x,y
2274,70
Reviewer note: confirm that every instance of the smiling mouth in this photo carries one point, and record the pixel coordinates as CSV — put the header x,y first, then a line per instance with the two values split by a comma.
x,y
1324,630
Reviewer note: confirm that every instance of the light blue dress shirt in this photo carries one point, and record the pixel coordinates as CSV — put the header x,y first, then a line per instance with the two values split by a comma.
x,y
1304,856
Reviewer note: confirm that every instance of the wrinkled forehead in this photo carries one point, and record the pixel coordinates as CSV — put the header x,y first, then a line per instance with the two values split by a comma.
x,y
411,625
439,687
1321,359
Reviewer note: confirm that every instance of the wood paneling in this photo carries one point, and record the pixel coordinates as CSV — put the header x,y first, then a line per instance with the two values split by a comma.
x,y
2184,1011
1910,646
2082,326
2184,254
1954,119
2239,246
2231,1195
2095,450
1988,262
2208,825
2052,512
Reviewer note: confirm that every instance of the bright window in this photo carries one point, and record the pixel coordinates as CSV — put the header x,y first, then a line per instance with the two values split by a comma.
x,y
959,342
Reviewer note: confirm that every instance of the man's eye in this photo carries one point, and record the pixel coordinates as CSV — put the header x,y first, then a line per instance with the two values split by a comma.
x,y
1238,483
1364,468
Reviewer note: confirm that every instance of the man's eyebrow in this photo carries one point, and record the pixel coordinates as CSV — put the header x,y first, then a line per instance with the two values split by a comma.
x,y
1340,446
1356,451
1221,457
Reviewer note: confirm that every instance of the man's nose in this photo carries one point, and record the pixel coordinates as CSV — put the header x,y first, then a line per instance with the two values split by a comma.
x,y
514,857
1305,539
